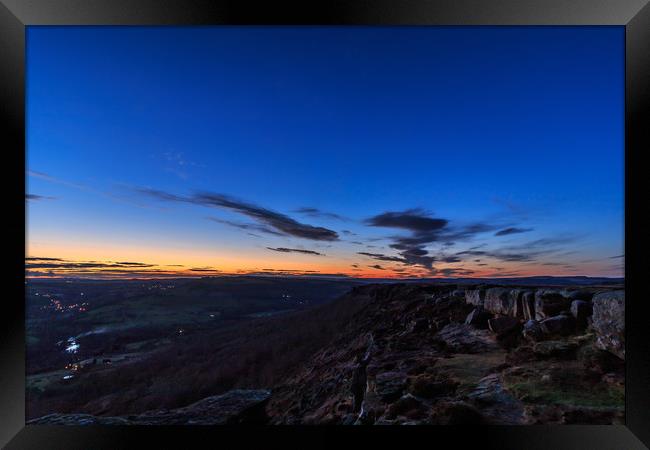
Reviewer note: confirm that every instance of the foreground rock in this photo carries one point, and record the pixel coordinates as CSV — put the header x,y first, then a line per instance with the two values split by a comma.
x,y
562,325
549,303
499,301
461,338
503,325
233,407
475,297
436,353
528,305
533,330
423,355
581,311
609,321
499,406
478,318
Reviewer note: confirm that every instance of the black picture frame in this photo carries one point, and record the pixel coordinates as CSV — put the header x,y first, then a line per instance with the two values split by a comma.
x,y
634,15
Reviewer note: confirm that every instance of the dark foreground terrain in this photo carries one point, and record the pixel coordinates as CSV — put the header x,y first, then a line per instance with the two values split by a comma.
x,y
406,353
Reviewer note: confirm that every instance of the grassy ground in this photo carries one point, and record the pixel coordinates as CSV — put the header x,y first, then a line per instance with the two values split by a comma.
x,y
468,369
563,385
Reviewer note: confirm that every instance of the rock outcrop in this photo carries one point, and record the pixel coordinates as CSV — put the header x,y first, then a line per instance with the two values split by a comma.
x,y
233,407
454,370
478,318
581,311
519,303
533,330
549,303
475,297
528,305
562,325
499,301
461,338
438,354
609,321
503,325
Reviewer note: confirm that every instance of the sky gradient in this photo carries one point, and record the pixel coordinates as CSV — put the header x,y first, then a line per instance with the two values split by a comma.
x,y
364,151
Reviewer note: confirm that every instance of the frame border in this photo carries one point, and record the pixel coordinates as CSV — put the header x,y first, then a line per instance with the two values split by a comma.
x,y
634,15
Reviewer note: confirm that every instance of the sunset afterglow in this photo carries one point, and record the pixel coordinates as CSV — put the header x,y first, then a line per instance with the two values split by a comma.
x,y
357,152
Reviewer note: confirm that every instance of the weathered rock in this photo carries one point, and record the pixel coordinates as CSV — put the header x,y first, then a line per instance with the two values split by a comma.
x,y
581,311
578,294
460,293
417,325
554,349
533,330
461,338
439,324
517,298
478,318
507,302
77,419
234,407
407,406
389,386
609,321
498,405
549,303
427,386
528,305
444,300
475,297
503,325
561,325
498,301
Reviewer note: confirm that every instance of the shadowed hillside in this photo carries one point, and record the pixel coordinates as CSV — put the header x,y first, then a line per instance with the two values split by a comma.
x,y
383,354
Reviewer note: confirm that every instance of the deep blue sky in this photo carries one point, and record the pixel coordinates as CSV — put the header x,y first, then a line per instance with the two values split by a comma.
x,y
518,127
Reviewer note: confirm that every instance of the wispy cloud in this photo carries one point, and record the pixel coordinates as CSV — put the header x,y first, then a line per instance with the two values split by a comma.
x,y
297,273
36,266
279,222
315,212
382,257
205,270
247,226
294,250
455,272
527,251
35,258
512,230
83,188
60,264
34,197
46,177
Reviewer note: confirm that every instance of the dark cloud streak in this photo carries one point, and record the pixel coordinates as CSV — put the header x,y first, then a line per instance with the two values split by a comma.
x,y
279,222
512,230
315,212
294,250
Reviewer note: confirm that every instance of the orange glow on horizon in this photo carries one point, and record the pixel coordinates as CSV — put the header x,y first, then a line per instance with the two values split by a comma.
x,y
179,262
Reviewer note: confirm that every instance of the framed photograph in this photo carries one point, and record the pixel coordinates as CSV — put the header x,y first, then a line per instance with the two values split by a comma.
x,y
325,222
